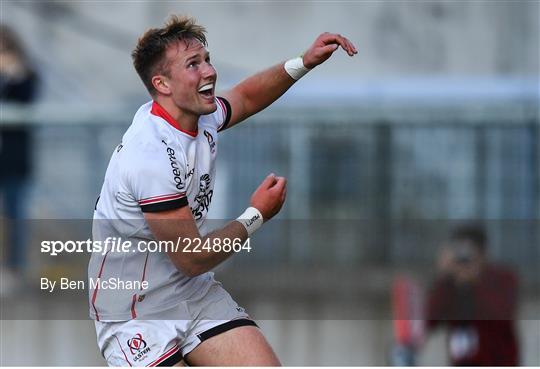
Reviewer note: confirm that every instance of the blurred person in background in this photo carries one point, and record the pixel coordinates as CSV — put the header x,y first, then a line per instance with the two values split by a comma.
x,y
476,300
18,85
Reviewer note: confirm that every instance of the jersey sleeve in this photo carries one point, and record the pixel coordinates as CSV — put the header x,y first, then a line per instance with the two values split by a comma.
x,y
223,113
157,179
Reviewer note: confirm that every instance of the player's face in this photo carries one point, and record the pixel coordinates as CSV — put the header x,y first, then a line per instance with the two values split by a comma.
x,y
192,77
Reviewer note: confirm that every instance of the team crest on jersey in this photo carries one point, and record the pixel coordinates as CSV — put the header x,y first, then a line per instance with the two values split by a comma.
x,y
211,142
138,347
203,198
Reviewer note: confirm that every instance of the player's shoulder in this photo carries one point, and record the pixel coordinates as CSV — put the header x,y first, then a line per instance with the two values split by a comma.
x,y
146,134
219,118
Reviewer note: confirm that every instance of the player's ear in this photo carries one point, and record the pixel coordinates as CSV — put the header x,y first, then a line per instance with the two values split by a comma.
x,y
161,84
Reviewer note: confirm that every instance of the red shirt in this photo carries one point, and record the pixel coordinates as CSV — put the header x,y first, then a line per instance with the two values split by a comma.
x,y
480,318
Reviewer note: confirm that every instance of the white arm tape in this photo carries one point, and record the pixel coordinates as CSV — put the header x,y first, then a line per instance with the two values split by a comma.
x,y
251,219
295,68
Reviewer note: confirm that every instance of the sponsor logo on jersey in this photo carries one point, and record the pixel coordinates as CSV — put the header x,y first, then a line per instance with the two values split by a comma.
x,y
138,347
211,142
190,173
177,175
203,198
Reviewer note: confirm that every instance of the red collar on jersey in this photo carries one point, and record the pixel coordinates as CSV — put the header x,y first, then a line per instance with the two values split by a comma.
x,y
159,111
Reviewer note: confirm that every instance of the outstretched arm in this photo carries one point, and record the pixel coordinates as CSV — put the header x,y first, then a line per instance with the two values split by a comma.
x,y
260,90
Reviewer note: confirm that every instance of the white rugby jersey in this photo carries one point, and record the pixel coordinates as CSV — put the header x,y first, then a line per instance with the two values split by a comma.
x,y
157,166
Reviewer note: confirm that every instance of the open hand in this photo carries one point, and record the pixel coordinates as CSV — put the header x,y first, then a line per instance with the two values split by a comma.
x,y
324,46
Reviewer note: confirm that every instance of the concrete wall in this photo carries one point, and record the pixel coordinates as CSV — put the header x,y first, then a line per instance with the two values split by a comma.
x,y
83,48
297,342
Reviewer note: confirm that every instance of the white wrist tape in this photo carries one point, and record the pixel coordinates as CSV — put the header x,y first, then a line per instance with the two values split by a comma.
x,y
295,68
251,219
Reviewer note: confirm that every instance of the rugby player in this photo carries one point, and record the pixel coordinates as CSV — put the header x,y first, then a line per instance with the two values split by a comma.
x,y
159,185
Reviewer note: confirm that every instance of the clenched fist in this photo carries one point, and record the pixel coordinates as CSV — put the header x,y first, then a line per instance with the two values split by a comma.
x,y
269,197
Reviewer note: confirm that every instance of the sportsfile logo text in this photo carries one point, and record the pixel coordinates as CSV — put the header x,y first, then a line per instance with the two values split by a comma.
x,y
116,244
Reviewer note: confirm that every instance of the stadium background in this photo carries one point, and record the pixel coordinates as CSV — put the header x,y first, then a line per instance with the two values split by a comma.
x,y
433,122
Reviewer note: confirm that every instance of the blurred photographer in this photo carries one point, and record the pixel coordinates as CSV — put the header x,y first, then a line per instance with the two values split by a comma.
x,y
476,300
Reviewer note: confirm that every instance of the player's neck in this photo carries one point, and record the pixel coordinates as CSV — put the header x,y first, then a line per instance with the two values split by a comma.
x,y
187,121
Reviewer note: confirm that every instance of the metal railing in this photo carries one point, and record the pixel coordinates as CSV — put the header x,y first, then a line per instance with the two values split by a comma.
x,y
384,182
